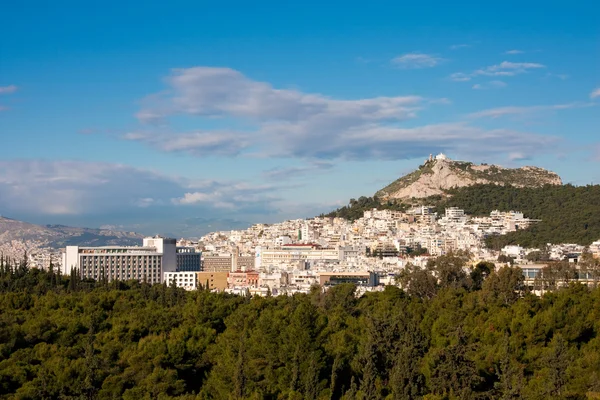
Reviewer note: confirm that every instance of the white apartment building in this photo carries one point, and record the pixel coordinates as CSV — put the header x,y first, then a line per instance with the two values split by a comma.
x,y
144,263
183,279
273,280
292,253
455,213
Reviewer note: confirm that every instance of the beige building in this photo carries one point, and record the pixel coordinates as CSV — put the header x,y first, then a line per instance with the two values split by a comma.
x,y
216,280
216,263
227,263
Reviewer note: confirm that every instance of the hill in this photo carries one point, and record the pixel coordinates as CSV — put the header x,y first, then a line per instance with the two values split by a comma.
x,y
440,174
57,236
569,214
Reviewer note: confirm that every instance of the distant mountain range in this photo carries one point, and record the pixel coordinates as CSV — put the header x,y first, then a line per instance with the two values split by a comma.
x,y
58,236
440,174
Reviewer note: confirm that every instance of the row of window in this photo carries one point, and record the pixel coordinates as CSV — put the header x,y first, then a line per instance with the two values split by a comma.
x,y
121,257
128,276
122,269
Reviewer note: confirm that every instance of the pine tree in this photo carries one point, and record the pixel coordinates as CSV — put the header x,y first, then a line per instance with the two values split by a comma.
x,y
510,375
51,274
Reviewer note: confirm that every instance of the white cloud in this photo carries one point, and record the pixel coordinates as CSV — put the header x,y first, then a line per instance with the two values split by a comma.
x,y
505,68
517,156
595,93
512,52
73,188
76,188
219,92
459,46
234,197
460,77
8,89
416,61
489,85
514,110
292,124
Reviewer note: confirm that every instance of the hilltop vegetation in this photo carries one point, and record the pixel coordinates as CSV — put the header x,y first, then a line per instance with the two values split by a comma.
x,y
569,214
464,336
355,208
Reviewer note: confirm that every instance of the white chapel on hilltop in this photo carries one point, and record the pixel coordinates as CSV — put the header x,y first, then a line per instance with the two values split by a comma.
x,y
439,157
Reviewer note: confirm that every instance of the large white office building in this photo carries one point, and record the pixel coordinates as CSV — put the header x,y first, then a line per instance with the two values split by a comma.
x,y
148,262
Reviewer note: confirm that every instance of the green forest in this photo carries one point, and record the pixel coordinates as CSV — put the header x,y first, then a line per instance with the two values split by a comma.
x,y
450,335
569,214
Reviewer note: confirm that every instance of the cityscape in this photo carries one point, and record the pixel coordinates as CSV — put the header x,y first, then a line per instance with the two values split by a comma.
x,y
314,200
292,256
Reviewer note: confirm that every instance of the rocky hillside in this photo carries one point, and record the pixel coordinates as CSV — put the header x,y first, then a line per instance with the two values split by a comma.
x,y
57,236
439,174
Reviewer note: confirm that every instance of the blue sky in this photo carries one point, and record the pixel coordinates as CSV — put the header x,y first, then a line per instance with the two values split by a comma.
x,y
182,117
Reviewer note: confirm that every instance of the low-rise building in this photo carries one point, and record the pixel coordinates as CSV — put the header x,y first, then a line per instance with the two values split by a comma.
x,y
215,280
187,280
358,278
242,279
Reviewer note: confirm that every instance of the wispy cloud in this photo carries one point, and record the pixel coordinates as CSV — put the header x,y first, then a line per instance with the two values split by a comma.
x,y
460,77
514,110
459,46
292,172
416,61
518,156
512,52
362,60
489,85
293,124
595,93
199,143
562,77
505,68
8,89
239,197
89,131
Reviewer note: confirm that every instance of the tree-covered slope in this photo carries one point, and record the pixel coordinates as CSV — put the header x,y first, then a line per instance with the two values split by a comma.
x,y
355,208
456,341
569,214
